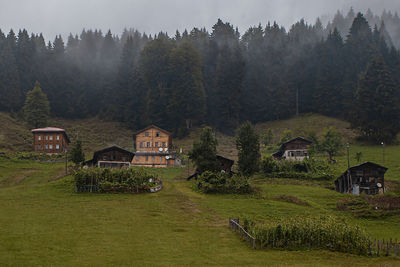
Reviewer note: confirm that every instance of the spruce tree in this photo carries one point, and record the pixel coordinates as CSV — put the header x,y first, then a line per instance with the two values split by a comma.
x,y
204,153
376,111
248,146
76,154
36,108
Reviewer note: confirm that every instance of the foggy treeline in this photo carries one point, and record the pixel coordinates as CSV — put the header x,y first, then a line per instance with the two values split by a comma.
x,y
198,77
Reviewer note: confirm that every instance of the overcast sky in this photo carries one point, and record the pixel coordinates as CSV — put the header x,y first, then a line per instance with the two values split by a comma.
x,y
52,17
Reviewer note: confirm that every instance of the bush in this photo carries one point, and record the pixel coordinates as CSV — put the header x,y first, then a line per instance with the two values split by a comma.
x,y
320,232
308,169
114,180
39,156
212,182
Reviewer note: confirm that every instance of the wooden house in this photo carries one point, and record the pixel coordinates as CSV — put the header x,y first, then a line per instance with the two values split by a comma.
x,y
365,178
294,149
225,164
109,157
153,148
50,140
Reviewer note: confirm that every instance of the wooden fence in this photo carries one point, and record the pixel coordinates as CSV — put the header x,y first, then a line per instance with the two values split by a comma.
x,y
234,225
390,247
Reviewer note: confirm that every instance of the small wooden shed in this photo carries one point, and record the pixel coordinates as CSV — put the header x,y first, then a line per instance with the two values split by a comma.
x,y
365,178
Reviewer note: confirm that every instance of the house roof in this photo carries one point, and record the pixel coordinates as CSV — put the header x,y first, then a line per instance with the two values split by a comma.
x,y
51,130
365,164
153,126
223,158
281,151
113,147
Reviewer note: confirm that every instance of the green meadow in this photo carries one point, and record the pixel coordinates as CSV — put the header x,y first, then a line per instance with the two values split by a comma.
x,y
43,222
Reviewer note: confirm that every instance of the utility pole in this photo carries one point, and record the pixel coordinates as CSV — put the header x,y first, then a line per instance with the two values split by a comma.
x,y
383,153
66,162
297,101
348,155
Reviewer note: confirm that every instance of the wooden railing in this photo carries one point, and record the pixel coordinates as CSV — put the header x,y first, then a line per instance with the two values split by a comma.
x,y
234,225
385,247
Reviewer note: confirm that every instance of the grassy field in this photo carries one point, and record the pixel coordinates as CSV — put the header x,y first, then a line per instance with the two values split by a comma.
x,y
43,222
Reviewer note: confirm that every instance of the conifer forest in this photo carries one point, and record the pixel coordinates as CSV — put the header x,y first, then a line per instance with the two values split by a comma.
x,y
348,68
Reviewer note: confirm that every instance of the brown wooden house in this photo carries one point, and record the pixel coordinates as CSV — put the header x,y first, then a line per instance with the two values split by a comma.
x,y
109,157
50,140
294,149
153,148
365,178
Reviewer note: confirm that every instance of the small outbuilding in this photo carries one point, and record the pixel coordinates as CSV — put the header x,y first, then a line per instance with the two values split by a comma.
x,y
225,164
294,149
365,178
109,157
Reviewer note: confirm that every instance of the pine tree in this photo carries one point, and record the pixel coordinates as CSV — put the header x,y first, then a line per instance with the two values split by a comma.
x,y
36,108
377,113
248,146
204,153
186,95
76,154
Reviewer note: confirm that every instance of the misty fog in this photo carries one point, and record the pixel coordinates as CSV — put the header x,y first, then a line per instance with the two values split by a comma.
x,y
52,17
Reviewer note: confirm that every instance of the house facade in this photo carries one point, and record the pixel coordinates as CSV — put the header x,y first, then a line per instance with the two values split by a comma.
x,y
110,157
368,178
153,146
294,149
50,140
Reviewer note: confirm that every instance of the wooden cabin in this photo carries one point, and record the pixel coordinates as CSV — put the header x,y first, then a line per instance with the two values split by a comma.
x,y
225,164
294,149
50,140
153,146
365,178
110,157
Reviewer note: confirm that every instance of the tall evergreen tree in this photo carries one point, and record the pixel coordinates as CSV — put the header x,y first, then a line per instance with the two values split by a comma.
x,y
248,146
204,152
376,112
36,108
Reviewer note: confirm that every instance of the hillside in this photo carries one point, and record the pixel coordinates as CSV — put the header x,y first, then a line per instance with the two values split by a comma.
x,y
95,133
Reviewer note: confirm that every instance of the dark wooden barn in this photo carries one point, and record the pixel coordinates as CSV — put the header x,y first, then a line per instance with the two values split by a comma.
x,y
225,165
113,156
365,178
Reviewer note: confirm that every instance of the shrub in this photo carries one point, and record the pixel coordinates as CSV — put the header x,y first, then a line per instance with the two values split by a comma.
x,y
319,232
114,180
307,170
212,182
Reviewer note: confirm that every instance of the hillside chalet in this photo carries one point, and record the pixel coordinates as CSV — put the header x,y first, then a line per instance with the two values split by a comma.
x,y
50,140
153,146
109,157
365,178
294,149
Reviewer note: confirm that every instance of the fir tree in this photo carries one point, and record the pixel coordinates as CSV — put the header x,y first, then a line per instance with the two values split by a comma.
x,y
248,146
36,108
377,113
76,154
204,153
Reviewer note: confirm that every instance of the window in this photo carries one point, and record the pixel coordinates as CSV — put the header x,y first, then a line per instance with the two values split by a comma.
x,y
158,134
39,137
163,144
46,137
141,144
38,146
146,134
46,147
104,157
57,146
147,158
160,159
156,144
137,158
50,146
57,137
51,137
153,158
148,144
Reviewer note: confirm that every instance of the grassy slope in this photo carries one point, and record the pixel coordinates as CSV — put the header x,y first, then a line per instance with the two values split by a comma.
x,y
45,223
